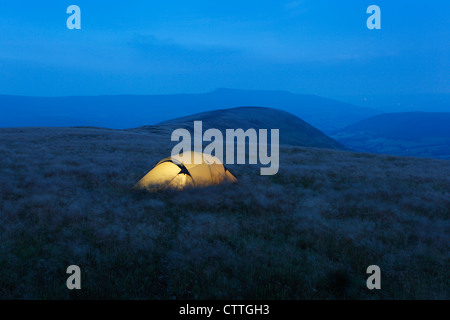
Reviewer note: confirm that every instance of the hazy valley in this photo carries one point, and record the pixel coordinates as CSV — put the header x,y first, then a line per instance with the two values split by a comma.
x,y
415,134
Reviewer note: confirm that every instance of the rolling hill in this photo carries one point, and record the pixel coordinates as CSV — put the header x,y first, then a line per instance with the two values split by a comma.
x,y
419,134
129,111
293,130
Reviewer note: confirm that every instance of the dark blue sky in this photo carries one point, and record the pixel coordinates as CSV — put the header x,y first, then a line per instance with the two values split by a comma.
x,y
151,47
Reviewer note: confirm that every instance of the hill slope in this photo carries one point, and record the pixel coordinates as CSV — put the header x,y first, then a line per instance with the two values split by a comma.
x,y
128,111
308,232
422,134
293,130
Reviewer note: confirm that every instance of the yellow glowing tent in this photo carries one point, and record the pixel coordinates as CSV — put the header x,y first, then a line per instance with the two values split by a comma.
x,y
181,171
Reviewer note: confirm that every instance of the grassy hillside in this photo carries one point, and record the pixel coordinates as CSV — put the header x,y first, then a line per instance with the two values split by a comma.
x,y
308,232
419,134
293,131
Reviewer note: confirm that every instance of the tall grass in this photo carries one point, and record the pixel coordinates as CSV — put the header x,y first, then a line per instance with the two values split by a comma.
x,y
308,232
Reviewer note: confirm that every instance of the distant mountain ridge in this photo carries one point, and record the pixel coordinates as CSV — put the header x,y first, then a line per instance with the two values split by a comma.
x,y
293,130
129,111
438,102
419,134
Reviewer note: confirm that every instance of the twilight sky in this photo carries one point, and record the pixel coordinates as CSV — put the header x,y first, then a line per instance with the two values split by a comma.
x,y
162,47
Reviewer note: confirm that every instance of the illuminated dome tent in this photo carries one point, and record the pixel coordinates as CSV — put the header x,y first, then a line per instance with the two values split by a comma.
x,y
174,173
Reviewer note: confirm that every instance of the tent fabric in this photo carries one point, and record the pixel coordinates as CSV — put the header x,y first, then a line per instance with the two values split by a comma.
x,y
181,171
